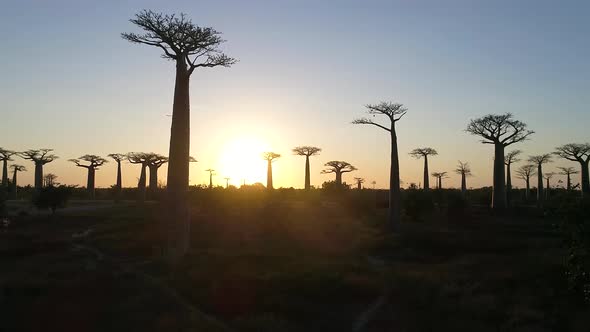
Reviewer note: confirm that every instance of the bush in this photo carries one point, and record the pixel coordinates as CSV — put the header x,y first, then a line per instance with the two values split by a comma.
x,y
418,203
457,204
3,198
52,197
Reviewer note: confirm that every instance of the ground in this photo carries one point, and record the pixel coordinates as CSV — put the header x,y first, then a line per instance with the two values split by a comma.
x,y
282,265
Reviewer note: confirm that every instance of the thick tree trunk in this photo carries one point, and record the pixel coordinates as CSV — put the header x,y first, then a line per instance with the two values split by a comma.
x,y
547,188
499,191
569,182
14,185
38,175
90,182
210,180
338,179
178,230
463,184
153,184
359,186
5,173
141,184
508,186
528,189
540,185
585,178
394,215
426,175
307,176
269,175
440,182
119,185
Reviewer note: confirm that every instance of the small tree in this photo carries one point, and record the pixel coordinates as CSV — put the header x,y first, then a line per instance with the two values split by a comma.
x,y
568,172
524,173
227,182
501,131
211,173
118,157
307,151
581,154
269,157
155,161
15,170
424,153
142,159
49,180
359,183
5,157
464,170
393,112
510,158
93,163
40,157
548,177
439,176
539,160
338,168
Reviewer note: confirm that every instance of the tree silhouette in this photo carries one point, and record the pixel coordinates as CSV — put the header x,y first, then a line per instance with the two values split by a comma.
x,y
15,169
5,157
118,157
269,157
40,157
464,170
338,168
211,173
510,158
539,160
49,180
548,177
568,171
394,112
94,162
190,47
227,182
581,154
424,153
373,183
501,131
524,173
439,176
155,161
307,151
359,183
143,159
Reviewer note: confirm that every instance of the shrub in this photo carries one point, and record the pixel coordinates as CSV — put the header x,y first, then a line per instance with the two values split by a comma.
x,y
417,203
3,197
52,197
457,204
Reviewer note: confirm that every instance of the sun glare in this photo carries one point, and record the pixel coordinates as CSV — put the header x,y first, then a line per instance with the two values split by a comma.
x,y
241,161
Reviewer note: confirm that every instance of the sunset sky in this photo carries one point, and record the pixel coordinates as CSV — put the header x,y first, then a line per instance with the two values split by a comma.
x,y
306,68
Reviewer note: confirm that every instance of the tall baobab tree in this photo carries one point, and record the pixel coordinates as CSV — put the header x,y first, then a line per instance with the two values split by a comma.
x,y
269,157
439,176
548,177
568,172
510,158
539,160
155,161
40,157
93,163
227,182
338,168
307,151
501,131
581,154
15,170
144,160
190,47
118,157
49,179
5,157
211,173
393,112
424,153
359,183
524,173
464,170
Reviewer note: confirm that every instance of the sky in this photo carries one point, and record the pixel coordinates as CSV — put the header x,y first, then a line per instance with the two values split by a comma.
x,y
306,69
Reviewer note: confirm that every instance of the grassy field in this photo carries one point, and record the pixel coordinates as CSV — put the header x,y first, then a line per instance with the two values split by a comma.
x,y
283,265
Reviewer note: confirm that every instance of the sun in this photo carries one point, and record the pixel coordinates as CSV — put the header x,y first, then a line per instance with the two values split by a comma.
x,y
241,161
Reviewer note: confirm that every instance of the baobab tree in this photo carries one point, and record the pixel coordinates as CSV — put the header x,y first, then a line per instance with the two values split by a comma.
x,y
539,160
338,168
269,157
464,170
40,157
393,112
49,180
118,157
581,154
373,183
155,161
524,173
510,158
548,177
227,182
93,163
424,153
5,157
568,172
211,173
501,131
15,169
439,176
143,159
359,183
307,151
190,47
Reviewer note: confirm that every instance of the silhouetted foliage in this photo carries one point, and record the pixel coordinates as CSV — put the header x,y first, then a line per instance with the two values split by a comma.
x,y
307,151
338,168
52,197
118,157
539,160
40,157
424,153
211,173
510,158
93,163
142,159
568,172
359,183
5,157
439,176
270,157
581,154
524,173
418,204
15,169
464,170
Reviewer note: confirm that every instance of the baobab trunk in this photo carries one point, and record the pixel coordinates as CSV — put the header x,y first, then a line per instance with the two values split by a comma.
x,y
508,186
307,177
547,190
141,184
119,185
528,189
5,173
210,180
90,182
499,190
539,186
153,184
440,182
38,175
426,176
14,185
463,184
394,191
359,186
585,179
339,178
569,182
178,230
269,175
